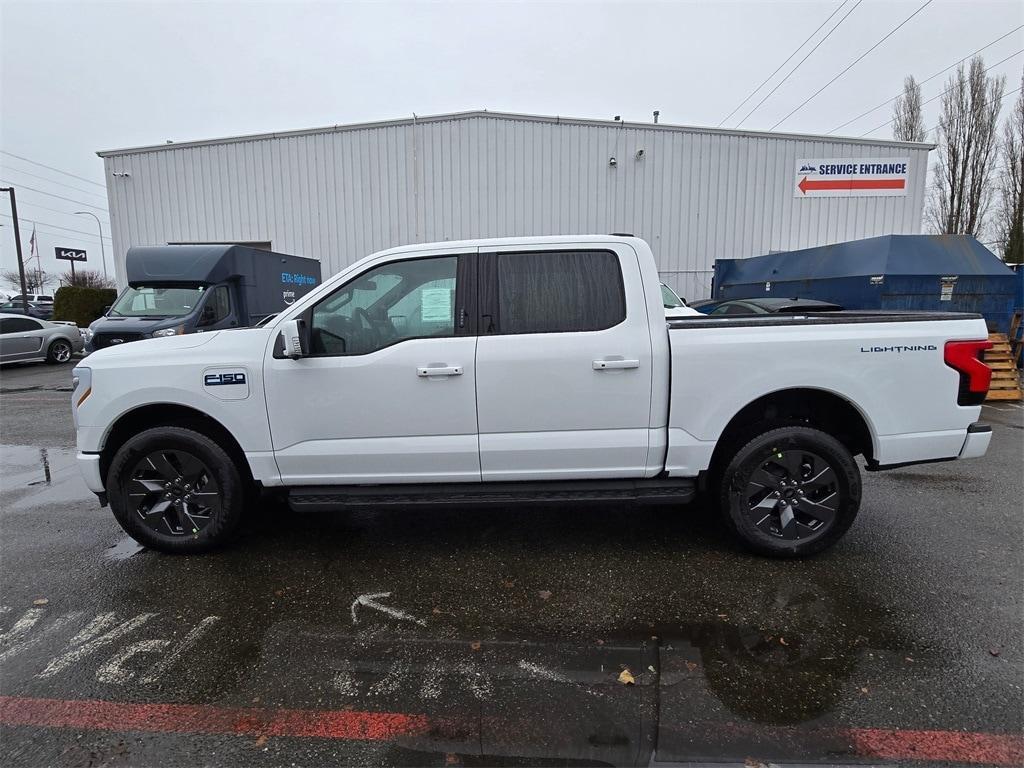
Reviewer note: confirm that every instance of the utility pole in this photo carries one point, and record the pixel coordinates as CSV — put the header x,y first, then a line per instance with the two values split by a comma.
x,y
17,246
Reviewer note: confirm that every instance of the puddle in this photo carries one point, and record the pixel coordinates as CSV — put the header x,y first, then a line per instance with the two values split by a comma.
x,y
40,475
125,548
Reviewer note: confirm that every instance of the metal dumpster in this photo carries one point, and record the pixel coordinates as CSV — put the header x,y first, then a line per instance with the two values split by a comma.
x,y
952,273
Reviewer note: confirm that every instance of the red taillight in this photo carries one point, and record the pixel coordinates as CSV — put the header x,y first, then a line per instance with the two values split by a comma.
x,y
966,358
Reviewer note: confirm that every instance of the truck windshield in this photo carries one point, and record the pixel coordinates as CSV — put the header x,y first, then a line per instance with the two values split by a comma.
x,y
146,301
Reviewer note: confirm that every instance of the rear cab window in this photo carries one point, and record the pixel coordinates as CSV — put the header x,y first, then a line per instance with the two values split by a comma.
x,y
559,291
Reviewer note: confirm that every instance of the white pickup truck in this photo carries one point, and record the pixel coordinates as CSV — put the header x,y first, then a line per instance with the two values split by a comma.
x,y
527,369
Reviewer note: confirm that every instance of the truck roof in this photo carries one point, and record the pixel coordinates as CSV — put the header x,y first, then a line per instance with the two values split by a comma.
x,y
500,241
196,263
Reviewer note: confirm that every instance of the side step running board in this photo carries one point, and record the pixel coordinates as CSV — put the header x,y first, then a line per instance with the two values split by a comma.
x,y
655,491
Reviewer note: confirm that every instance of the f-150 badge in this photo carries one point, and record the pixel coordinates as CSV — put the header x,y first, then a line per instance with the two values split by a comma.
x,y
221,379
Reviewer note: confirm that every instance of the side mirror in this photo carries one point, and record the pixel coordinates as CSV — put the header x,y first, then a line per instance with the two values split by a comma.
x,y
293,334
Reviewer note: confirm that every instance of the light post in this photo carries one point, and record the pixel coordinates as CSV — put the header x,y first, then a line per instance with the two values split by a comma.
x,y
17,246
99,225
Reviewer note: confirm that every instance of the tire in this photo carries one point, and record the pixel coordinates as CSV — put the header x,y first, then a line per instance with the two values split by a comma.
x,y
790,492
59,351
175,490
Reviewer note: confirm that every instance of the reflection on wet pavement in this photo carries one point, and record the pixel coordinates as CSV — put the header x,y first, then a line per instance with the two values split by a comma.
x,y
36,476
125,548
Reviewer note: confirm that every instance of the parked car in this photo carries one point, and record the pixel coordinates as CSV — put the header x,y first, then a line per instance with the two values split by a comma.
x,y
17,306
524,369
768,307
675,306
35,298
23,339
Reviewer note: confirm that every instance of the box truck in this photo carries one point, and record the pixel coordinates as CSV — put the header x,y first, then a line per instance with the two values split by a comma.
x,y
177,289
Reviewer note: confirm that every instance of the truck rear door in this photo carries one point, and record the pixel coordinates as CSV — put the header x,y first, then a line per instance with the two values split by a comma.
x,y
563,363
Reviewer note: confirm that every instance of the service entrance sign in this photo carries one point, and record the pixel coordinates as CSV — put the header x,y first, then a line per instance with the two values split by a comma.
x,y
852,177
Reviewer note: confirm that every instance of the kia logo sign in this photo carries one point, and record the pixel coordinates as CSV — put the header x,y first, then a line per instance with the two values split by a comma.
x,y
70,254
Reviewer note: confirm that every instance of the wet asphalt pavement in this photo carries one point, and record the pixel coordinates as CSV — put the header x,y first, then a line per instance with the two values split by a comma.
x,y
507,636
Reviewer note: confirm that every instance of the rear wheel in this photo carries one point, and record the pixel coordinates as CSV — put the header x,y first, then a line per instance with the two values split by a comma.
x,y
59,351
175,490
790,491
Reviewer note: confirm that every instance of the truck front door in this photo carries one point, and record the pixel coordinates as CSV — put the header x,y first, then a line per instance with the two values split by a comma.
x,y
563,364
219,310
388,391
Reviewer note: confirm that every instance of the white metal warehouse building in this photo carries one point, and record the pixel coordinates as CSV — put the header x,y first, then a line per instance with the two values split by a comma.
x,y
339,193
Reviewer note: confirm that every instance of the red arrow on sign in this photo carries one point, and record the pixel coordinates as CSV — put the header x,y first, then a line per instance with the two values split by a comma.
x,y
850,184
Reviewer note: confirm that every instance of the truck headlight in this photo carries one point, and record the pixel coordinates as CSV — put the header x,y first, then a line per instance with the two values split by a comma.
x,y
175,331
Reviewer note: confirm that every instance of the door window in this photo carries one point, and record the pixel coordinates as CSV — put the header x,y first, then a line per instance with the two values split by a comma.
x,y
402,300
18,325
218,305
558,292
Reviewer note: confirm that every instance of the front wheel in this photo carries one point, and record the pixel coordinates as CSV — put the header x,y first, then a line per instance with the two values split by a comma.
x,y
790,492
175,490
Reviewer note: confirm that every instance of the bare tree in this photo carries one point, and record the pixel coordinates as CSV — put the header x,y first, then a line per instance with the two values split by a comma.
x,y
967,137
86,278
36,280
1010,214
907,123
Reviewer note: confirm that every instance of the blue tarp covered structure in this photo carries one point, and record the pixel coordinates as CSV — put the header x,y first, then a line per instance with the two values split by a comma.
x,y
951,273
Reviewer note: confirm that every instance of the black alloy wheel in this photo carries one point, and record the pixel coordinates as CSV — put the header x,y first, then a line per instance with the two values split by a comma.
x,y
173,492
794,494
177,490
790,491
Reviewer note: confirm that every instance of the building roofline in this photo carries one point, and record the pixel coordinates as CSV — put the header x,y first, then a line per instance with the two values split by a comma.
x,y
512,116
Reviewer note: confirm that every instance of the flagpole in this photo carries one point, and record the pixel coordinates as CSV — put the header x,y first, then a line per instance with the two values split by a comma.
x,y
39,267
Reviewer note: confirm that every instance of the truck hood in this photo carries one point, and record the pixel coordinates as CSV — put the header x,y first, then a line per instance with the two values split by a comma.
x,y
150,348
134,324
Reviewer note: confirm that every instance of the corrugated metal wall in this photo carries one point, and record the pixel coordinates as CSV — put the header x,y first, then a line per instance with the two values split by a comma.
x,y
339,194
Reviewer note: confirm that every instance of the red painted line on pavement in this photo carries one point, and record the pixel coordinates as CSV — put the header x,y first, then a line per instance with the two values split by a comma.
x,y
948,746
198,718
875,743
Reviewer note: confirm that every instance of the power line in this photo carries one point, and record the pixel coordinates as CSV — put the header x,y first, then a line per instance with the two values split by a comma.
x,y
940,95
34,223
53,210
794,69
54,181
50,167
852,64
928,79
794,53
51,194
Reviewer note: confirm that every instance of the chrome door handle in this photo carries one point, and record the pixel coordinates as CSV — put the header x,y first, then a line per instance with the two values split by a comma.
x,y
604,365
441,370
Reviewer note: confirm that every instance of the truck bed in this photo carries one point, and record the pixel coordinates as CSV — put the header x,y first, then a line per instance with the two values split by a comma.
x,y
888,366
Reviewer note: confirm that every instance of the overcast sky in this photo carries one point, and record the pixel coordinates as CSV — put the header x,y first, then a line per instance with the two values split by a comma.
x,y
79,77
